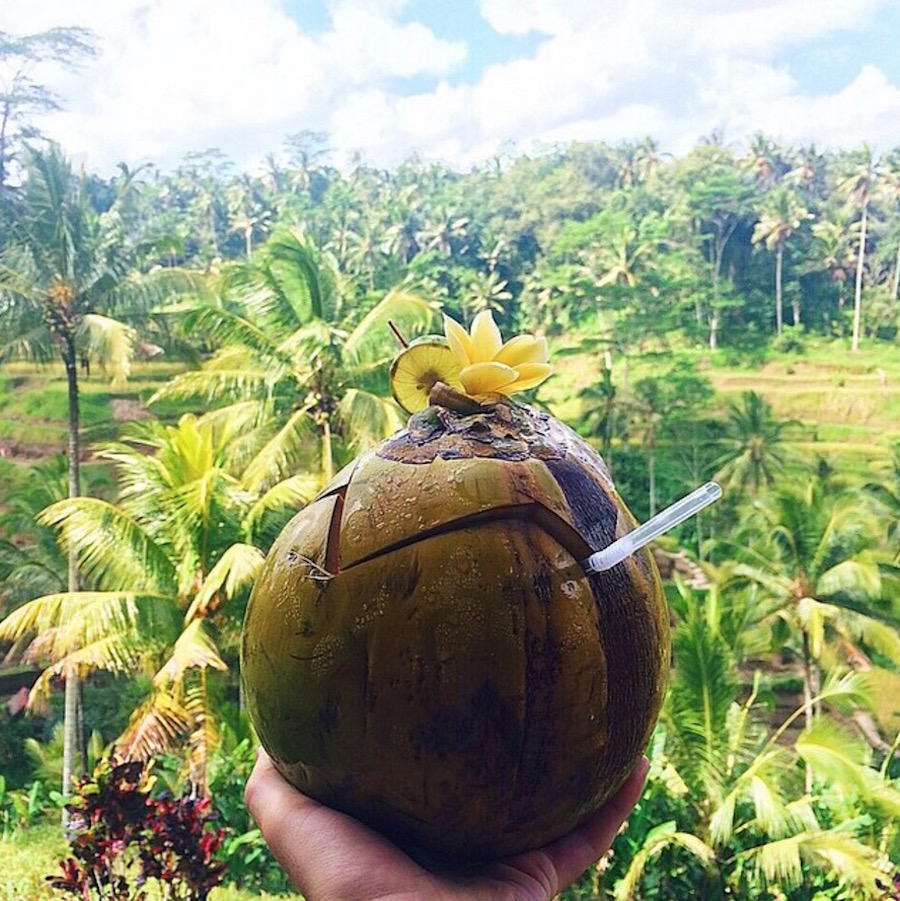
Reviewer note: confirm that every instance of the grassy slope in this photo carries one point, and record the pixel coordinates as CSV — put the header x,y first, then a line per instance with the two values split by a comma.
x,y
847,405
34,404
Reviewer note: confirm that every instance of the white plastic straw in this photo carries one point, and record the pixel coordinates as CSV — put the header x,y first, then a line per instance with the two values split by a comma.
x,y
666,519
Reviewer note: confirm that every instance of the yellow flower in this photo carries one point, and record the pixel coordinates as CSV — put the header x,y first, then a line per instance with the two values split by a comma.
x,y
487,365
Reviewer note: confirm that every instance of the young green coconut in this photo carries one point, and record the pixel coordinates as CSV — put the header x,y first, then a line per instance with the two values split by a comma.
x,y
426,648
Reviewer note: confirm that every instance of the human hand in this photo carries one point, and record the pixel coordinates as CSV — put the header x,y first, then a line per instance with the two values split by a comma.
x,y
333,857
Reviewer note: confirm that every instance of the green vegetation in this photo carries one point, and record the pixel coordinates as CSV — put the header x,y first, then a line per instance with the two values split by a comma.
x,y
186,356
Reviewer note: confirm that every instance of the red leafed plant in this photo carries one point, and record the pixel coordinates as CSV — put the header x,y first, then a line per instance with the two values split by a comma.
x,y
122,836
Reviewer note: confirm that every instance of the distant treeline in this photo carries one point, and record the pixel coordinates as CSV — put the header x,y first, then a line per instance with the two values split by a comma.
x,y
718,246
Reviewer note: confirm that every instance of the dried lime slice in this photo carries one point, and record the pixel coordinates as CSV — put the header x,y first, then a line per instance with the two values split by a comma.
x,y
418,367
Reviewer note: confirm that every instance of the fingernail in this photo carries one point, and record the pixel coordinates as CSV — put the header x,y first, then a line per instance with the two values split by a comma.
x,y
643,767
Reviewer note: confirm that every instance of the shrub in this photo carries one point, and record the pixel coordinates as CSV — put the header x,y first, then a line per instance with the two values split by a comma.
x,y
250,862
122,837
23,807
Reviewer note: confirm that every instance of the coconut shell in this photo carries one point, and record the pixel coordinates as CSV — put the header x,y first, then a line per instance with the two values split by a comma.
x,y
424,651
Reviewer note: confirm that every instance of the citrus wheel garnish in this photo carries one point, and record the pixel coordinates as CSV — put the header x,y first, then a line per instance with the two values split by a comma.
x,y
418,368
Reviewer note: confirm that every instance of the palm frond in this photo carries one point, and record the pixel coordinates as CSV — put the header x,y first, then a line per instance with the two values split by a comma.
x,y
837,851
845,691
111,342
280,457
235,569
288,495
858,580
204,737
228,424
115,651
112,548
16,280
657,839
74,619
368,419
758,785
833,754
158,725
874,633
230,329
777,585
298,280
35,343
215,385
811,615
703,688
310,342
883,794
372,339
194,649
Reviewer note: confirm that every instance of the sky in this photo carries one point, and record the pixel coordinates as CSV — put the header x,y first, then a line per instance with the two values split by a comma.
x,y
464,81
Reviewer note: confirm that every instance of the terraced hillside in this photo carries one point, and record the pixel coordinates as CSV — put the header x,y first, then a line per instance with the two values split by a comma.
x,y
848,405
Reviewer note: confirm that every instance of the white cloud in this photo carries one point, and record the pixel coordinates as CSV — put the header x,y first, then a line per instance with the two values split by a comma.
x,y
764,29
865,112
677,72
365,44
182,75
520,17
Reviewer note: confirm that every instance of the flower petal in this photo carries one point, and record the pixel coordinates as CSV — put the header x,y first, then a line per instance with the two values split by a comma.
x,y
530,376
523,349
483,378
486,340
459,341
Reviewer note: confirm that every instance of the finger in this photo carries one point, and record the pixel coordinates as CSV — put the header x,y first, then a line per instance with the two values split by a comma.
x,y
574,853
318,847
564,860
291,823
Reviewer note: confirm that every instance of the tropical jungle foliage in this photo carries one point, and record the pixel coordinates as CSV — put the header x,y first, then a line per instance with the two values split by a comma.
x,y
262,305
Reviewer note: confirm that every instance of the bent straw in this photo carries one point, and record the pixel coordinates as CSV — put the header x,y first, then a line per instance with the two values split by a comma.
x,y
666,519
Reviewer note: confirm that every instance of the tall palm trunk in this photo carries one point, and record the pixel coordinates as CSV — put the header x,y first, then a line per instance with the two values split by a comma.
x,y
70,713
810,684
724,233
327,453
895,289
860,263
779,290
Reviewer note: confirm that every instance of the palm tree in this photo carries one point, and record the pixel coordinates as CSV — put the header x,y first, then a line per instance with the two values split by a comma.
x,y
599,409
718,197
743,817
187,535
485,291
754,442
656,401
830,252
888,498
247,214
819,570
63,278
766,161
781,215
855,184
295,359
23,100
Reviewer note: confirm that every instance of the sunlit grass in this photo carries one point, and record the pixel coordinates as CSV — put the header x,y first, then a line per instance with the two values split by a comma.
x,y
28,856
